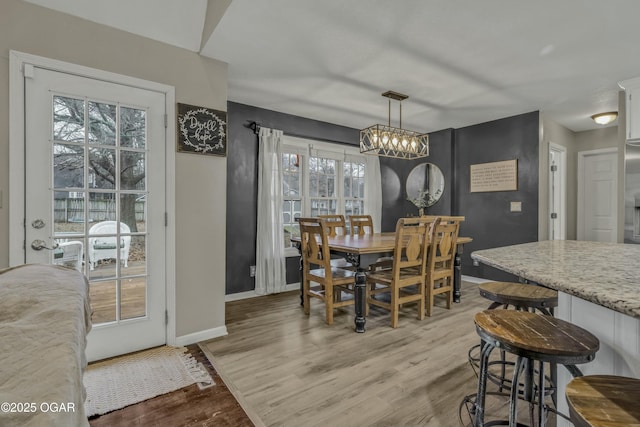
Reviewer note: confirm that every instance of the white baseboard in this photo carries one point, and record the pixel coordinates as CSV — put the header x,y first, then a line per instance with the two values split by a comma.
x,y
292,287
253,294
201,336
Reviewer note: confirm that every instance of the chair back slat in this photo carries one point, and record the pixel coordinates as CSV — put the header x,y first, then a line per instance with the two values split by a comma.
x,y
410,249
359,225
444,246
335,225
313,239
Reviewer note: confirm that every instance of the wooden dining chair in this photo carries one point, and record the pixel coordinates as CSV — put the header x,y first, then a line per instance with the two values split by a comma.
x,y
331,281
359,225
404,281
337,226
440,263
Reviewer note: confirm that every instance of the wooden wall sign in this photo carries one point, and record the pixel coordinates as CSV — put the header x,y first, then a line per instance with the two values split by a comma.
x,y
202,130
494,176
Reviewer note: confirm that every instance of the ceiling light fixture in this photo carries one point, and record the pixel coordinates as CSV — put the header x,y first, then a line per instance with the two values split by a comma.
x,y
605,118
388,141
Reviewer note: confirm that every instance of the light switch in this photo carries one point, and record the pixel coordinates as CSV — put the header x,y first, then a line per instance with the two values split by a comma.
x,y
516,206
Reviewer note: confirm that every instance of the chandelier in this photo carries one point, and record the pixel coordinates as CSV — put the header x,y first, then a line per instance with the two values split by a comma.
x,y
388,141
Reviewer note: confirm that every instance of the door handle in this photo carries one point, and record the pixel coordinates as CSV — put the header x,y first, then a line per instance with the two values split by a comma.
x,y
38,245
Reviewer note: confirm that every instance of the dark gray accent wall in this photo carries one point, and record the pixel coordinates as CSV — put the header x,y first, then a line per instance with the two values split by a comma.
x,y
242,183
488,217
489,221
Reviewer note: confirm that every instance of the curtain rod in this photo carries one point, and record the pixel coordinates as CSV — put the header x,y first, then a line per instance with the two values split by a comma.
x,y
255,127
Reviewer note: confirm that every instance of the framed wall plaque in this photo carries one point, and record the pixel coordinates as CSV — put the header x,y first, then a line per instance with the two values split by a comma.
x,y
202,130
494,176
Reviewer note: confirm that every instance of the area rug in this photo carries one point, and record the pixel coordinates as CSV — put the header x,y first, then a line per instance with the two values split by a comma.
x,y
122,381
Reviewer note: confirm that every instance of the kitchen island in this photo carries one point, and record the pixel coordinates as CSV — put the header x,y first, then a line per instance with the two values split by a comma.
x,y
598,288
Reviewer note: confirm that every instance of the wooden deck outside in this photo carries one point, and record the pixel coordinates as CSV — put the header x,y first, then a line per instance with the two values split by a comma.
x,y
103,293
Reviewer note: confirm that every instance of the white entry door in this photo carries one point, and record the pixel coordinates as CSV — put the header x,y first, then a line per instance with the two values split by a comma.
x,y
95,199
598,195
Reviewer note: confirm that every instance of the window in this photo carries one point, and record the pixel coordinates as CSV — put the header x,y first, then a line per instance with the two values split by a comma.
x,y
291,194
319,179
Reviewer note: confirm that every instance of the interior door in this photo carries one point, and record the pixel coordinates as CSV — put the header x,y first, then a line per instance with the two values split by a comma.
x,y
597,196
557,192
95,200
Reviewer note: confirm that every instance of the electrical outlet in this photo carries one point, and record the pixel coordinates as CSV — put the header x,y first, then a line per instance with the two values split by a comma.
x,y
516,206
252,271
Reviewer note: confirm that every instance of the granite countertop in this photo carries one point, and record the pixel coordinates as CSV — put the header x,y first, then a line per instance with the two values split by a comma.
x,y
607,274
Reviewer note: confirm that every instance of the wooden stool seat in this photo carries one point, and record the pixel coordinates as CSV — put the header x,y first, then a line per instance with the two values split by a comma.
x,y
520,295
538,337
535,339
604,401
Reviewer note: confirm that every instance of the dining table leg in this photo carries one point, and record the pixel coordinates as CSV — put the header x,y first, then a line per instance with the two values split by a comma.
x,y
457,274
301,281
360,299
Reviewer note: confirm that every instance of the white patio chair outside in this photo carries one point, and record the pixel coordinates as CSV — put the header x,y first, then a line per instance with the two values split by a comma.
x,y
69,252
104,247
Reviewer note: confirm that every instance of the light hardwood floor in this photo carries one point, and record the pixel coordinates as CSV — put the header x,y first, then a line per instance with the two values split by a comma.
x,y
292,370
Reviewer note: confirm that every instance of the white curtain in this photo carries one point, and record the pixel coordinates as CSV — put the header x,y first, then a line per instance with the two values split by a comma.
x,y
270,259
373,191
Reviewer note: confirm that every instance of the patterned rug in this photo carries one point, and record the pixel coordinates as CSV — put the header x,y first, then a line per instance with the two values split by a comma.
x,y
122,381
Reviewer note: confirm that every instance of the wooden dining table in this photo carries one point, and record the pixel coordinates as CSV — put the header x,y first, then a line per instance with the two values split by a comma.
x,y
354,247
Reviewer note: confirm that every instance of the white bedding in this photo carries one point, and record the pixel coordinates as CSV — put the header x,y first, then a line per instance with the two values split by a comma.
x,y
44,320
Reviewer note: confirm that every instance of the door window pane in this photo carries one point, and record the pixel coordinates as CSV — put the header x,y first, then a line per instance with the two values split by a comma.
x,y
68,213
102,123
133,297
103,301
133,211
133,127
68,119
102,166
132,170
68,166
102,207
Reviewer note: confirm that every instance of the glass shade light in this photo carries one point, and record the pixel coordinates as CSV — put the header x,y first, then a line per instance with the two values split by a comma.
x,y
388,141
605,118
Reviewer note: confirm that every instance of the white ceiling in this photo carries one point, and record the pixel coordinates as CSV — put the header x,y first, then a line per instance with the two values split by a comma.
x,y
461,62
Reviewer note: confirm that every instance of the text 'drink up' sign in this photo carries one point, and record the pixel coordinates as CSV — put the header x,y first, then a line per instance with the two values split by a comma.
x,y
494,176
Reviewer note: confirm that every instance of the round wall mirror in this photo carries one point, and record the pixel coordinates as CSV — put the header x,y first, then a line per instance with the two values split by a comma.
x,y
425,185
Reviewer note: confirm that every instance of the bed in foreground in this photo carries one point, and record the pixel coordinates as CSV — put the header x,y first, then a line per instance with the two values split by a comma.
x,y
44,320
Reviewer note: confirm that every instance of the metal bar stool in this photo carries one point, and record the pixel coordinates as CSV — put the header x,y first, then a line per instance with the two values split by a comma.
x,y
534,339
520,296
603,400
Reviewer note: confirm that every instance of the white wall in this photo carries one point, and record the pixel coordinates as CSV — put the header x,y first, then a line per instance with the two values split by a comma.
x,y
574,142
200,181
